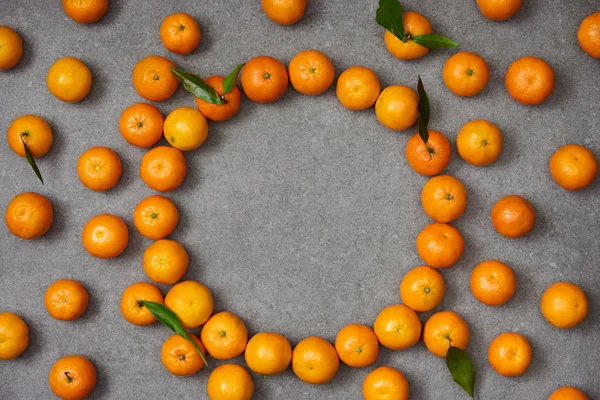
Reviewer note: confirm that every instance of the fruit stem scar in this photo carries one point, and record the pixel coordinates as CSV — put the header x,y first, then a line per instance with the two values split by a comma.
x,y
140,303
153,215
223,99
266,75
448,196
223,333
24,133
484,143
182,357
139,124
430,150
427,290
155,77
181,27
312,70
69,379
470,72
447,336
358,350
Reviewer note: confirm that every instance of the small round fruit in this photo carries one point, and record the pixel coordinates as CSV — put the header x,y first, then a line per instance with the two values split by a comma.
x,y
513,216
493,283
105,236
224,335
529,80
141,125
85,12
155,217
29,215
72,377
99,168
268,353
192,302
153,80
180,357
385,383
568,393
397,327
165,261
315,360
357,345
284,12
479,142
443,329
185,128
34,131
440,245
231,101
444,198
131,305
564,305
499,10
428,158
180,33
414,25
14,336
311,72
11,48
66,300
264,79
588,34
573,167
230,382
358,88
466,74
510,354
69,80
396,107
422,289
163,168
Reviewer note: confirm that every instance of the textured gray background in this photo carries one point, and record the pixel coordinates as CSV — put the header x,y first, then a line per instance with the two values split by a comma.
x,y
300,215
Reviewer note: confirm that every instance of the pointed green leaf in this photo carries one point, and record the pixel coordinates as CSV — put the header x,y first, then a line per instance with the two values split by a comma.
x,y
231,80
462,369
423,112
389,15
169,319
434,41
196,86
31,160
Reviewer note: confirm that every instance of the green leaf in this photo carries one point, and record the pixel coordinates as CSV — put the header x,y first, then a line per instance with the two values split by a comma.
x,y
196,86
423,112
231,80
434,41
389,15
169,319
31,160
462,369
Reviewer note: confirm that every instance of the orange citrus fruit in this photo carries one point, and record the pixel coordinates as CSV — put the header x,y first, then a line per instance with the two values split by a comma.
x,y
568,393
105,236
315,360
264,79
163,168
357,345
224,335
311,72
493,283
397,327
397,107
180,33
428,158
499,10
440,245
66,300
444,198
268,353
573,167
192,302
510,354
131,305
14,336
99,168
422,289
564,305
85,11
414,25
358,88
29,215
34,131
284,12
588,34
155,217
180,357
529,80
141,125
11,47
72,377
444,329
230,382
185,128
385,383
479,142
165,261
466,74
153,80
231,101
513,216
69,80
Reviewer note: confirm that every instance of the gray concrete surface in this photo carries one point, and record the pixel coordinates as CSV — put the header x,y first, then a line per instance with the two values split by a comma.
x,y
300,215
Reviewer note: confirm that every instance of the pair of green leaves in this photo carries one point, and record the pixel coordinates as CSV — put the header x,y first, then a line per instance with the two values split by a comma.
x,y
30,159
196,85
462,369
389,15
169,319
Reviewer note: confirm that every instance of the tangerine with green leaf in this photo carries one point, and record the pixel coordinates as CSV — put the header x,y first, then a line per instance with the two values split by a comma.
x,y
11,48
29,215
414,25
32,130
264,79
132,306
185,128
180,357
466,74
180,33
230,101
397,107
479,142
72,377
311,72
444,329
428,158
